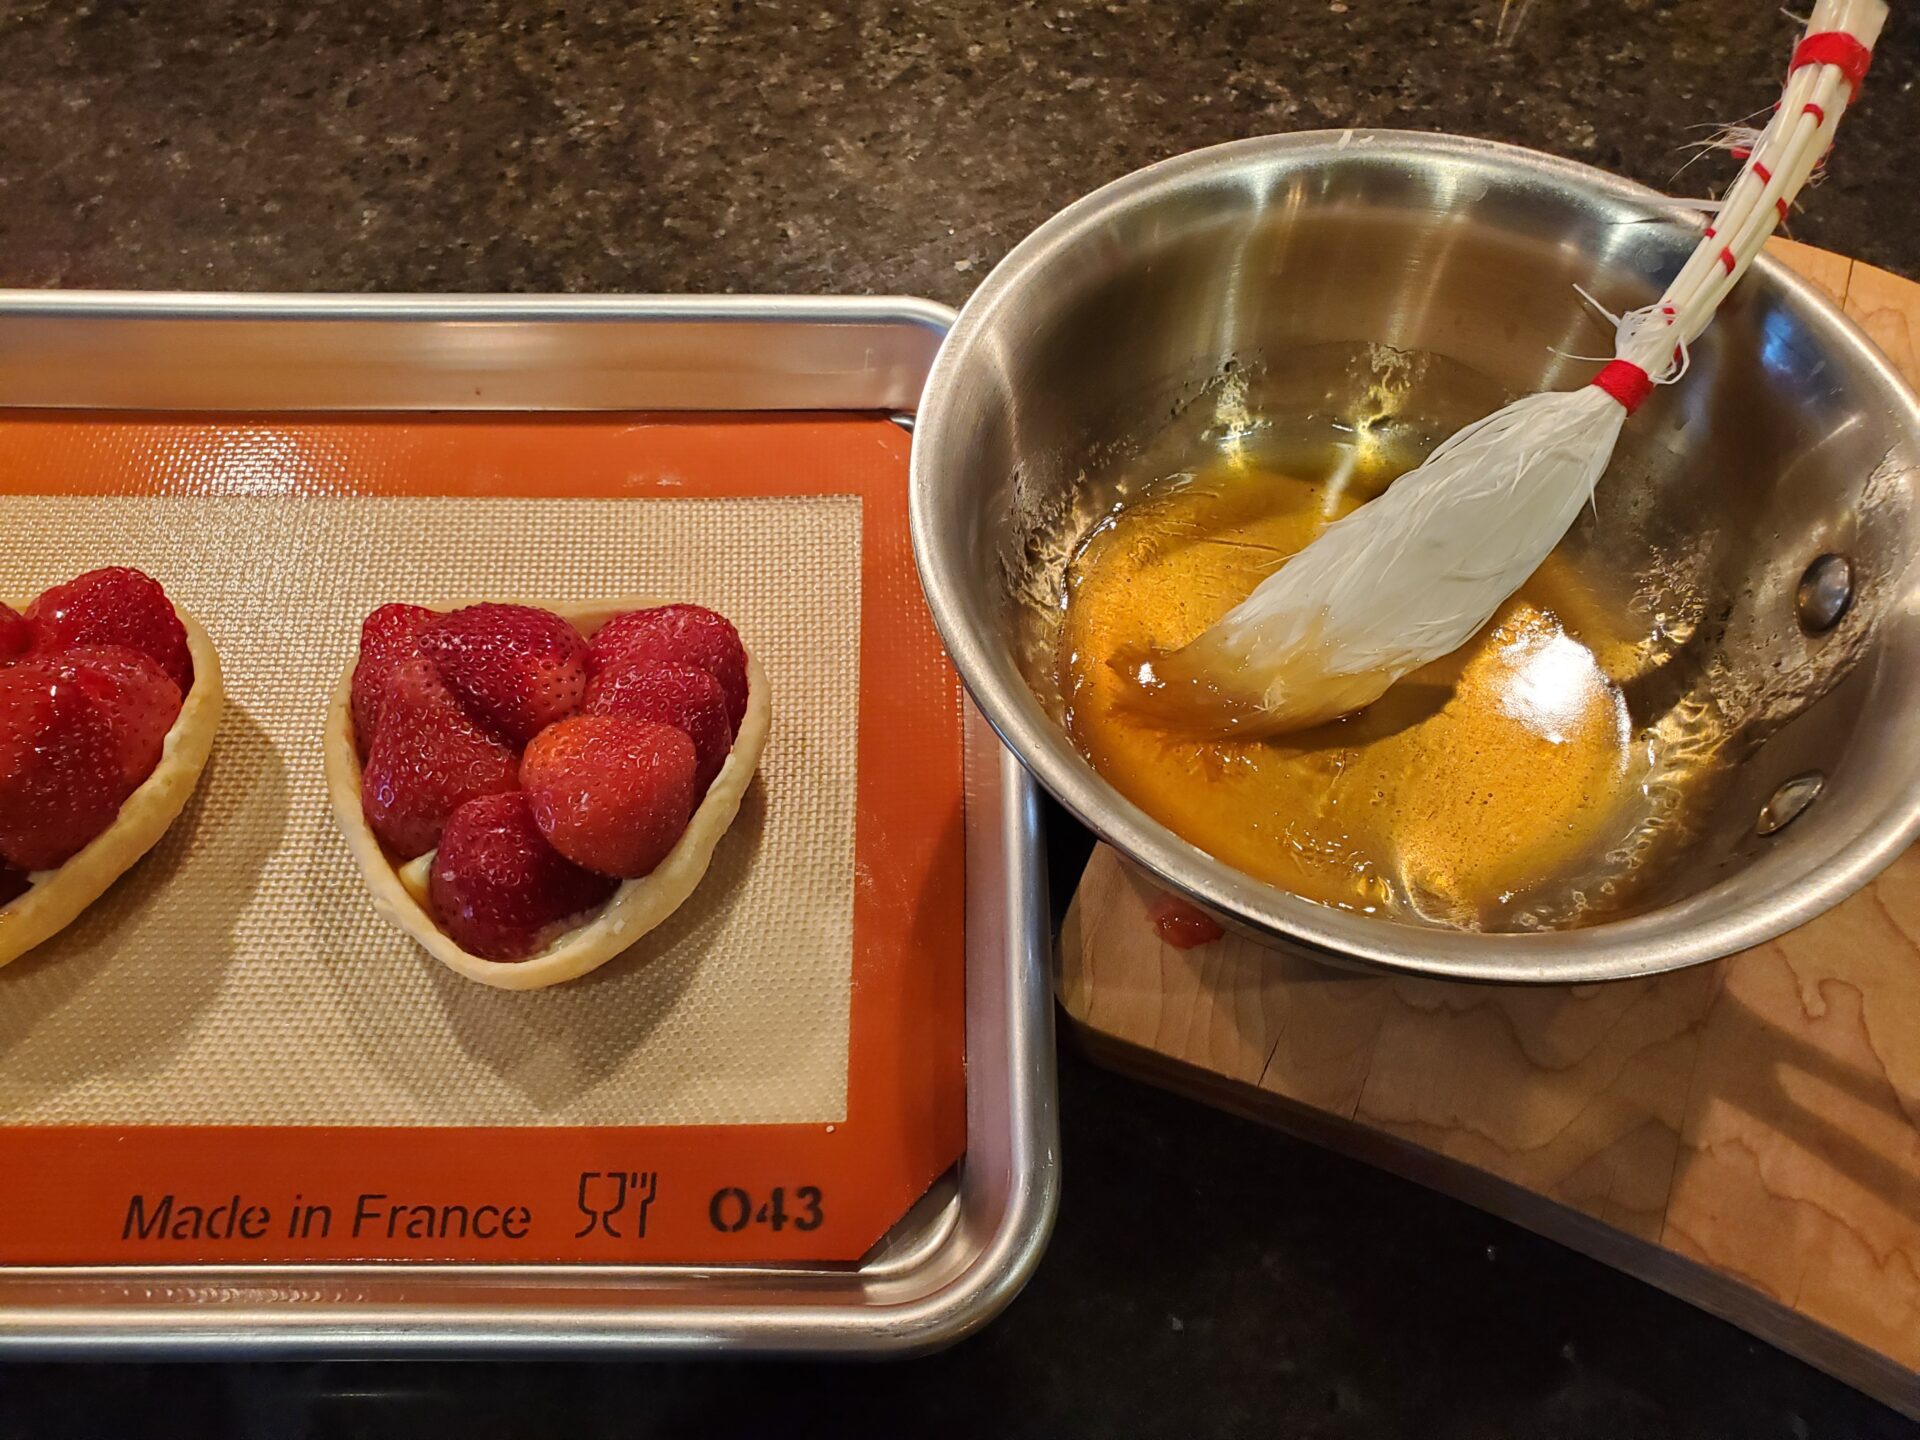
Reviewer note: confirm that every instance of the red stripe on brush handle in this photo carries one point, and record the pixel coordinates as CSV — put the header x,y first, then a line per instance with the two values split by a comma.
x,y
1625,382
1839,49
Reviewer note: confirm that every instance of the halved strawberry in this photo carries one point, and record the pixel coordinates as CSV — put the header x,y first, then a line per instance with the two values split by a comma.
x,y
428,759
499,889
61,762
679,635
389,638
515,669
682,696
114,606
142,703
15,634
610,794
13,883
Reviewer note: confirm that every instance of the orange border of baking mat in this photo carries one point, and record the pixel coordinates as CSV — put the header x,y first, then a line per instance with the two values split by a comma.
x,y
67,1191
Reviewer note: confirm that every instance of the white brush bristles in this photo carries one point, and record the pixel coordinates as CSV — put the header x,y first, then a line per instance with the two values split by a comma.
x,y
1410,576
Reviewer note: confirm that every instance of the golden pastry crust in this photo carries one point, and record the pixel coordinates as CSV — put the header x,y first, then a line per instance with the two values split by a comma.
x,y
636,907
58,896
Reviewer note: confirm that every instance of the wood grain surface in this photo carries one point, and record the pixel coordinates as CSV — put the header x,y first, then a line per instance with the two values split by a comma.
x,y
1744,1134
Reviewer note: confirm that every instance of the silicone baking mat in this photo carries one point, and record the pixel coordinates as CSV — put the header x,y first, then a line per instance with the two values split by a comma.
x,y
229,1057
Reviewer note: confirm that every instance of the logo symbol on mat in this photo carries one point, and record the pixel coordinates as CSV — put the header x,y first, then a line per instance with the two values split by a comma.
x,y
607,1193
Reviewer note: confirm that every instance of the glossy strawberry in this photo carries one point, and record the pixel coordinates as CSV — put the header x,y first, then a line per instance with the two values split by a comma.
x,y
682,696
15,633
62,775
115,606
79,732
515,669
13,883
610,794
428,759
141,702
678,635
389,638
499,889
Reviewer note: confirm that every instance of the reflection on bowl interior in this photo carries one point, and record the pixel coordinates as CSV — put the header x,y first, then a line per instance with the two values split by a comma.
x,y
1506,787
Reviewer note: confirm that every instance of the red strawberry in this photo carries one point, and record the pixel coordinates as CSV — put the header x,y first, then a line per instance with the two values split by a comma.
x,y
13,883
515,669
389,638
142,703
15,633
61,762
428,759
678,695
610,794
115,606
499,889
681,635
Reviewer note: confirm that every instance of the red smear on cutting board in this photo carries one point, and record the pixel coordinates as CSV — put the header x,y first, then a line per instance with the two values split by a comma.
x,y
1182,924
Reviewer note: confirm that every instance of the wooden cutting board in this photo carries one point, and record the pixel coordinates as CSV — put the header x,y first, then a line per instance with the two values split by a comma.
x,y
1744,1134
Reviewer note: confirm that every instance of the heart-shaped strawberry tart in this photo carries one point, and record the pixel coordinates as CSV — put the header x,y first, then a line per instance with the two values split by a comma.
x,y
109,699
529,790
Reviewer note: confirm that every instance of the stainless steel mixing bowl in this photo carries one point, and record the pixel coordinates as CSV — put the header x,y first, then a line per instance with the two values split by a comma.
x,y
1288,262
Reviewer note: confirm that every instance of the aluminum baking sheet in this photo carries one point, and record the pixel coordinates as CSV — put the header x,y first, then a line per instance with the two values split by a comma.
x,y
967,1245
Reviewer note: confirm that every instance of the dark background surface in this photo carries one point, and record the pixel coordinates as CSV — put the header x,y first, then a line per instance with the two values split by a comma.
x,y
1208,1277
853,147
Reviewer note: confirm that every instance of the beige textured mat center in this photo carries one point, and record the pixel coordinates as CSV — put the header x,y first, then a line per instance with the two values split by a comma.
x,y
238,976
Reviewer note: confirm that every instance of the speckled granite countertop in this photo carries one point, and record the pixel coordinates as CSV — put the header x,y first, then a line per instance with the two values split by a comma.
x,y
858,147
1208,1277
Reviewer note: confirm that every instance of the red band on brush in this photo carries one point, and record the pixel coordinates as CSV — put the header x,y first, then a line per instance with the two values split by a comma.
x,y
1625,382
1726,258
1781,206
1836,48
1762,171
1819,115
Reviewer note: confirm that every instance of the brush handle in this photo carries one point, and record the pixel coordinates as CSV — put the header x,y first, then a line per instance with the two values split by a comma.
x,y
1822,82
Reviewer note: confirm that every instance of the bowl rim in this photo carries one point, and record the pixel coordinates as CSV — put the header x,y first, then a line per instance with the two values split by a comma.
x,y
1667,938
